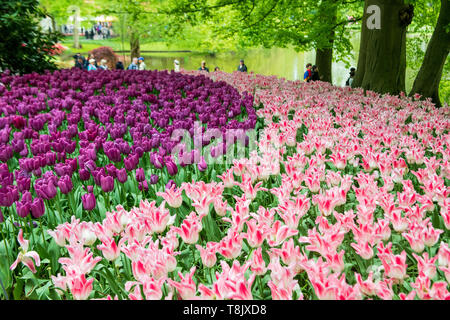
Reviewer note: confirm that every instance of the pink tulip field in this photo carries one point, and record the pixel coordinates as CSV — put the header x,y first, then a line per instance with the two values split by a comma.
x,y
345,195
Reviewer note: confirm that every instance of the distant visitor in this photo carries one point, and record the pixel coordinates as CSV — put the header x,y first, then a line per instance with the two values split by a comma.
x,y
349,81
176,65
315,74
308,74
103,65
216,69
242,67
142,65
133,65
92,66
119,65
203,67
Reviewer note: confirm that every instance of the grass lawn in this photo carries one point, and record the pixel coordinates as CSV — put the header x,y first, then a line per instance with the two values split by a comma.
x,y
116,45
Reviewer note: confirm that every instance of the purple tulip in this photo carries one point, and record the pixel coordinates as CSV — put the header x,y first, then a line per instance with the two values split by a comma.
x,y
143,186
23,208
65,184
172,168
88,201
37,208
122,175
84,174
170,184
140,175
202,166
154,179
107,183
45,188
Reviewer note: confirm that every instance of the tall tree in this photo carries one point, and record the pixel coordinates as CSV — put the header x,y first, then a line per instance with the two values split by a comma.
x,y
382,54
138,15
430,73
24,46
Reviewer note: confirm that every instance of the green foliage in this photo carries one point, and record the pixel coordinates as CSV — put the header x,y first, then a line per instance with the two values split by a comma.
x,y
24,46
426,13
302,25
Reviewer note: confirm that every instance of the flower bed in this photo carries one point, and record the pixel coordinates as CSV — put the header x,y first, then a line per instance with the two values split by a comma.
x,y
347,197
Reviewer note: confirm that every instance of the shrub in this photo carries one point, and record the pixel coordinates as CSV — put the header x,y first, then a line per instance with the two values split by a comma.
x,y
106,53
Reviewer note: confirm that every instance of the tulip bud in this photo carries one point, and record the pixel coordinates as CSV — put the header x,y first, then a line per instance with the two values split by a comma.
x,y
37,208
154,179
107,183
88,201
65,184
202,166
122,175
140,175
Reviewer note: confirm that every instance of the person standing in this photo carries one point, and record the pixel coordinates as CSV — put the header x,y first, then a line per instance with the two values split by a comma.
x,y
103,65
349,81
79,64
242,67
315,74
119,65
79,56
308,74
176,65
92,66
142,65
133,65
203,67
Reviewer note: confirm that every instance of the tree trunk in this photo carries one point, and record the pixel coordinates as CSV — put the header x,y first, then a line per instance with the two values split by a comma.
x,y
53,23
134,45
382,56
324,54
76,29
430,74
324,61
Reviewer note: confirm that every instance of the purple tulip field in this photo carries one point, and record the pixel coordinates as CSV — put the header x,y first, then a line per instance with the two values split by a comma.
x,y
148,185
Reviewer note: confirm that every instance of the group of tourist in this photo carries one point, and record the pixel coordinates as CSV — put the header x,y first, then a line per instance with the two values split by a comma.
x,y
312,74
103,30
89,64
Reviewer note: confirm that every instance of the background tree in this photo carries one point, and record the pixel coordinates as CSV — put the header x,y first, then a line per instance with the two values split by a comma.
x,y
24,46
382,53
137,15
430,74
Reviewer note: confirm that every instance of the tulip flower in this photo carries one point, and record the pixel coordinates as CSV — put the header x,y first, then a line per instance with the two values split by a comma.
x,y
37,208
107,183
65,184
28,258
88,201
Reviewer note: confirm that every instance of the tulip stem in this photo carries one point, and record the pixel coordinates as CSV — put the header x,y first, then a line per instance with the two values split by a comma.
x,y
261,292
193,254
31,228
42,231
71,203
108,203
211,273
58,201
